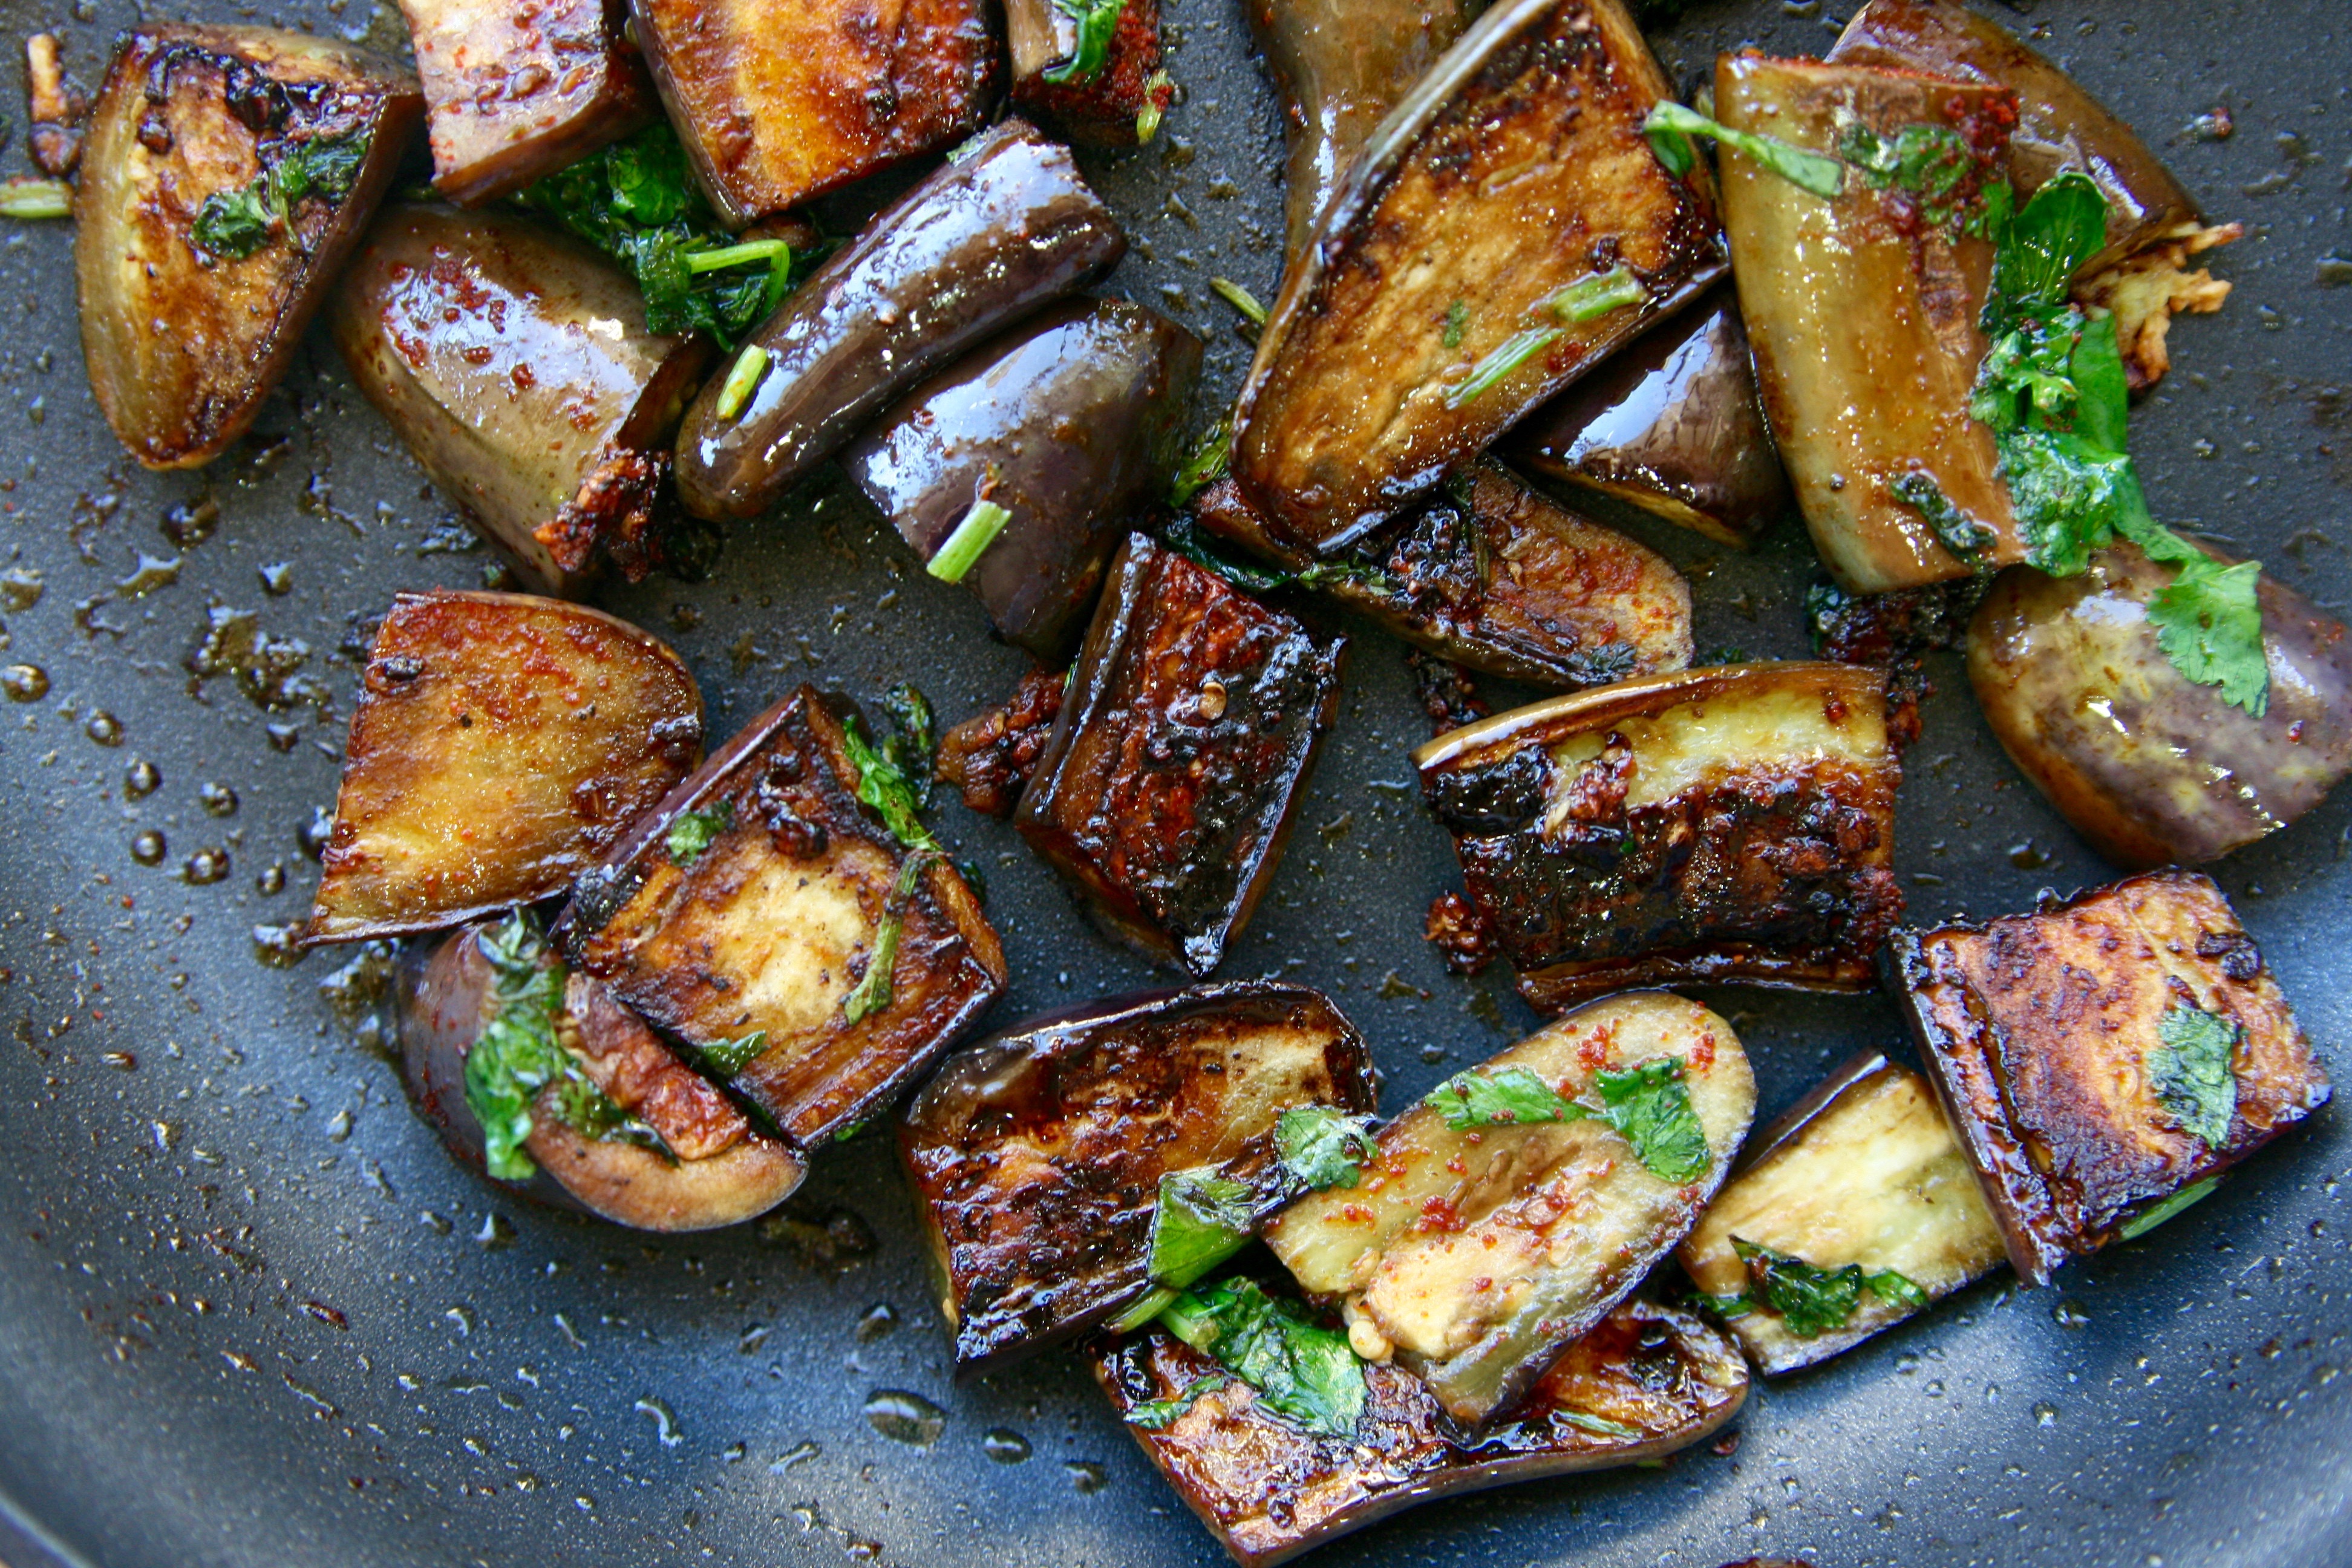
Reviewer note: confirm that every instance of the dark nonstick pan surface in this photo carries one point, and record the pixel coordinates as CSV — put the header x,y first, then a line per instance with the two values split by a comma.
x,y
251,1314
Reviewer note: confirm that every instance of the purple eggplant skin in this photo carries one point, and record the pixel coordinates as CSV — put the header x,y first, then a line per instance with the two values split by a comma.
x,y
2149,767
1004,229
1073,423
1672,424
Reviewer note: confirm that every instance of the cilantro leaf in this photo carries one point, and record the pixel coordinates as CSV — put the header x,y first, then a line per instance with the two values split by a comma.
x,y
1963,534
238,223
914,743
883,785
1650,1106
1812,1301
235,224
2209,623
1302,1372
693,832
1322,1147
1508,1096
1151,1415
1098,23
2102,390
2046,243
2190,1071
1201,1219
728,1057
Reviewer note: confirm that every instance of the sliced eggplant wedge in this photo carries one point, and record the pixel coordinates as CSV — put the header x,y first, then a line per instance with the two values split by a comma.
x,y
1168,787
1856,413
999,231
1104,92
514,362
2149,766
637,1137
1476,1253
1492,575
2104,1055
1073,423
1647,1382
1505,228
1038,1155
501,743
1341,65
514,91
777,105
1672,424
1733,824
1864,1175
227,174
745,915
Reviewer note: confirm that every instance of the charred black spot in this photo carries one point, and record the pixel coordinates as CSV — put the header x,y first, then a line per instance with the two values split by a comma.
x,y
1500,797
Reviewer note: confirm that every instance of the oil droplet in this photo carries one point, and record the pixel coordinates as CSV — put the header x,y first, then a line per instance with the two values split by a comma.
x,y
193,524
2067,1315
25,682
1086,1475
218,800
459,1318
277,578
798,1454
103,728
906,1418
339,1126
2045,1414
879,1320
141,780
312,836
154,572
20,589
274,946
664,1421
1004,1445
205,867
498,1231
437,1224
272,879
147,848
2028,856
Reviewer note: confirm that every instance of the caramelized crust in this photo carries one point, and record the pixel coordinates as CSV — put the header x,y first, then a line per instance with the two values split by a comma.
x,y
990,756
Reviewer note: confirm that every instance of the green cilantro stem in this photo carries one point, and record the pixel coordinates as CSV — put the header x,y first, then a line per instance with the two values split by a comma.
x,y
872,992
962,549
23,198
1592,298
1670,125
1098,23
2187,1198
1508,356
776,252
1239,298
743,379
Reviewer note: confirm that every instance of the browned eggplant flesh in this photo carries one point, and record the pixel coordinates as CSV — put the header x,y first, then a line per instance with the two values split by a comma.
x,y
1505,228
616,1125
2152,768
1647,1382
1492,575
767,918
515,363
988,757
1072,423
1168,787
1104,92
1730,825
1857,1210
514,91
2105,1056
227,174
777,105
501,743
1480,1240
1038,1155
1672,424
1003,229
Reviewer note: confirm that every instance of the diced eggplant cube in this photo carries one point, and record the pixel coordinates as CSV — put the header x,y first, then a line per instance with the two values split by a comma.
x,y
1726,825
1168,785
2067,1047
755,900
1647,1382
1863,1172
1038,1154
501,743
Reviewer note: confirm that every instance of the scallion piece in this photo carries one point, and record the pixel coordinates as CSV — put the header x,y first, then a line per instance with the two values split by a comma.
x,y
742,379
1590,298
1239,298
35,198
2149,1219
1514,351
974,534
1670,124
1158,89
770,250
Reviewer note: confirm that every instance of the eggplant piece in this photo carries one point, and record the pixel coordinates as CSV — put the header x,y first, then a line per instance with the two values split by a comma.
x,y
755,900
1341,65
1073,423
227,174
1857,413
1494,576
1863,1172
1168,787
990,756
779,103
1006,226
711,1167
1476,1254
1118,102
1505,228
1648,1382
2066,1047
501,743
514,362
1672,424
2149,767
513,91
1733,824
1037,1156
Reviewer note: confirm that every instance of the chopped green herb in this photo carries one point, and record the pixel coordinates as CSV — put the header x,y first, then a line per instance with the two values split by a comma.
x,y
849,1129
1201,1219
1322,1147
235,224
1650,1106
1205,465
1590,298
1959,533
959,552
883,785
913,746
2190,1071
1147,1307
238,223
2149,1219
1158,89
1302,1372
1239,298
1457,322
23,198
774,252
1153,1414
1098,23
743,378
1812,1301
872,992
1497,366
728,1057
1510,1097
1183,536
1933,163
1737,1305
692,832
1598,1425
1670,127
